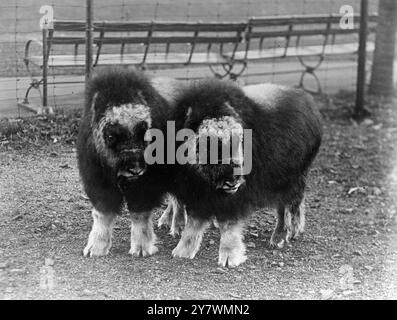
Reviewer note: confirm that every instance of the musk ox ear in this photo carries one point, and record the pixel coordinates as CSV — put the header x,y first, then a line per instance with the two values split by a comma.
x,y
141,97
93,103
188,116
229,107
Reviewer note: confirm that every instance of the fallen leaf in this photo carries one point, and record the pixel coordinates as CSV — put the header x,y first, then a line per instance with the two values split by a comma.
x,y
360,189
326,294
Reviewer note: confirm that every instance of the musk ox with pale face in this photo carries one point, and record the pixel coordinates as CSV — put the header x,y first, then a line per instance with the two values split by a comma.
x,y
286,136
121,107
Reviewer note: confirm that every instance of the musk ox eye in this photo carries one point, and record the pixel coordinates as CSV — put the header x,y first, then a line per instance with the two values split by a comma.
x,y
110,139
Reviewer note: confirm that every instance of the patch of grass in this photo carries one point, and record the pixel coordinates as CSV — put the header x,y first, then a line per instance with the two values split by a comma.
x,y
62,127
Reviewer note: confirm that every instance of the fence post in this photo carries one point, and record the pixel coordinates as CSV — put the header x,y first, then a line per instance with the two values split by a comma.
x,y
45,68
359,110
88,42
45,108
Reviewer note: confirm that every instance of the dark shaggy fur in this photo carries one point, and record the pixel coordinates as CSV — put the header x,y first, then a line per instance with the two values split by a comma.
x,y
286,138
110,153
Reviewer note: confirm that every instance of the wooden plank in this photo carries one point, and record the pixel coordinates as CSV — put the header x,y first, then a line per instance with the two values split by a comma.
x,y
133,59
300,19
171,26
117,26
271,53
312,32
69,25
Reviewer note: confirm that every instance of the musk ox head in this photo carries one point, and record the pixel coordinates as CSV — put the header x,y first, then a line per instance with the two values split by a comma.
x,y
120,117
206,107
218,156
222,138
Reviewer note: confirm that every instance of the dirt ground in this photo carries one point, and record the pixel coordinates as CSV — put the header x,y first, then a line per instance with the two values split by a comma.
x,y
349,250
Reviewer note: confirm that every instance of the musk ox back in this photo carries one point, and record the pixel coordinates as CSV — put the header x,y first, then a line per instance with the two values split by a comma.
x,y
286,136
121,107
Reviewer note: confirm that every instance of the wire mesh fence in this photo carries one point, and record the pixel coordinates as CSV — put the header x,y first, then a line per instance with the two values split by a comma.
x,y
19,21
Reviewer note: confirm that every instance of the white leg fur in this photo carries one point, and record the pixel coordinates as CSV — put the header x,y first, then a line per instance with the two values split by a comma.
x,y
143,238
166,217
231,248
298,221
302,221
288,225
191,239
100,238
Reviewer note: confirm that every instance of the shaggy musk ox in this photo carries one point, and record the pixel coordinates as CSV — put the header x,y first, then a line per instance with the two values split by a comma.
x,y
286,136
121,106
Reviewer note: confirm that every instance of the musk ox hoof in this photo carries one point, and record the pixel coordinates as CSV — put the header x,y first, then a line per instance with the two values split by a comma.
x,y
97,247
297,228
139,251
182,251
279,239
231,258
175,224
143,251
294,233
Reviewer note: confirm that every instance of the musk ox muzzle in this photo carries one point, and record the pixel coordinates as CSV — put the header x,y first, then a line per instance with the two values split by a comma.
x,y
131,164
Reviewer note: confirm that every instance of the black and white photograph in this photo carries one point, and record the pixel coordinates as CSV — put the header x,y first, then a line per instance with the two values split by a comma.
x,y
213,151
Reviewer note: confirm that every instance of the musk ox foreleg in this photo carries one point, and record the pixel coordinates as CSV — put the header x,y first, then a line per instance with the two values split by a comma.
x,y
143,238
231,248
191,238
173,216
100,238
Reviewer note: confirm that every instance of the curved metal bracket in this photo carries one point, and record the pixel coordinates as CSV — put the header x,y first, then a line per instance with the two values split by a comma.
x,y
35,84
226,67
302,80
235,75
311,69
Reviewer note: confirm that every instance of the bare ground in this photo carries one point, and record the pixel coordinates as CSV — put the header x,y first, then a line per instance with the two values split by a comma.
x,y
349,250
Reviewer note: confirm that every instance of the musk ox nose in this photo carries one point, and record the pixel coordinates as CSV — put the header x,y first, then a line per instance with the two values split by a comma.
x,y
231,186
131,173
137,171
132,164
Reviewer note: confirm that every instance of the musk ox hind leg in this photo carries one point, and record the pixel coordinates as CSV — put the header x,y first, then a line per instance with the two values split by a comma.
x,y
173,216
143,238
279,236
191,238
100,238
231,248
290,223
297,213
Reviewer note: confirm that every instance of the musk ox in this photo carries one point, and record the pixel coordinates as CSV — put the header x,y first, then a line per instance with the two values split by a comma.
x,y
286,136
121,106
